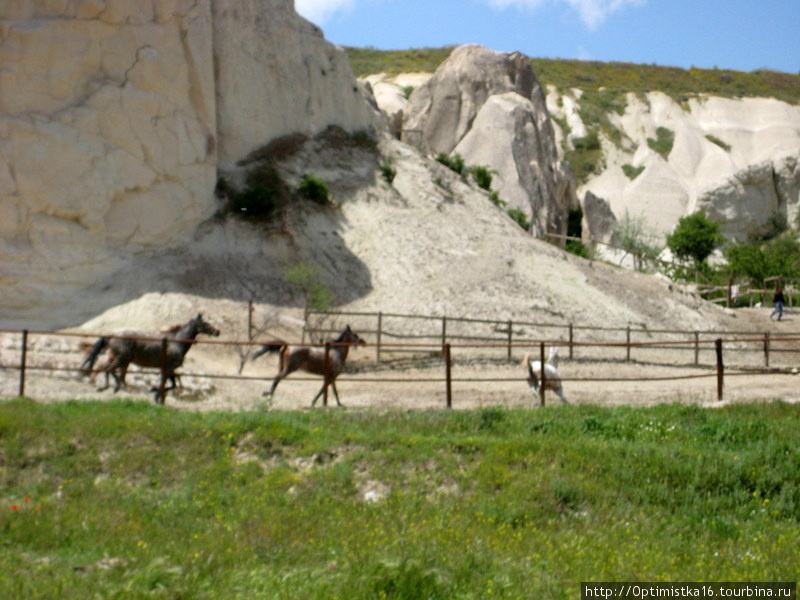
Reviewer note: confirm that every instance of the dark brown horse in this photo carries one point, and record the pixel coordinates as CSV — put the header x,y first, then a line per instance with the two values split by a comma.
x,y
147,353
312,360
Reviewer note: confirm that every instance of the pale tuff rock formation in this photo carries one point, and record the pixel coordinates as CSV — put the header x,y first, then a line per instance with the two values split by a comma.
x,y
276,75
511,136
757,200
115,116
722,160
598,219
107,138
489,107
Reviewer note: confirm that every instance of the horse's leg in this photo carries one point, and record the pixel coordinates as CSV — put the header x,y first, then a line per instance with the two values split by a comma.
x,y
560,392
287,366
320,392
335,393
275,383
157,389
109,368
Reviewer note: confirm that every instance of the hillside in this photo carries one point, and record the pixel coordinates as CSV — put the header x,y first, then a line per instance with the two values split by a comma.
x,y
110,252
589,76
654,141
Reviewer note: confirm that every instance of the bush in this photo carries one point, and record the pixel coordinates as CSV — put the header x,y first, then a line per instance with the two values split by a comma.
x,y
632,172
577,248
314,189
715,140
591,141
454,162
665,138
520,217
494,196
255,202
483,177
388,172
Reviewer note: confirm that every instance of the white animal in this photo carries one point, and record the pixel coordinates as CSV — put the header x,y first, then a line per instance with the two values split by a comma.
x,y
552,378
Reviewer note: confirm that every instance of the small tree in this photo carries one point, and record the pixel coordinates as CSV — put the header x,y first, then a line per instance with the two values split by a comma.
x,y
695,237
758,261
636,238
316,295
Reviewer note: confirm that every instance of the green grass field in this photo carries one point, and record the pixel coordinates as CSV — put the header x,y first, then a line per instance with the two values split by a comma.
x,y
128,500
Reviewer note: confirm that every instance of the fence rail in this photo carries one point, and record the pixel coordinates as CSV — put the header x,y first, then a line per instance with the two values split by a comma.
x,y
444,350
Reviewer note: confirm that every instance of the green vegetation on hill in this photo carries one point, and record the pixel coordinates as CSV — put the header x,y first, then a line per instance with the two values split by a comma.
x,y
370,61
613,77
128,500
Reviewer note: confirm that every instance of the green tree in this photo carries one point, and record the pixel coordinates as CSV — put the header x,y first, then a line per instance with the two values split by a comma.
x,y
695,237
758,261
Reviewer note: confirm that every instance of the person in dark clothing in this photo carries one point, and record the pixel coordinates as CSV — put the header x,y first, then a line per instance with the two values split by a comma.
x,y
779,302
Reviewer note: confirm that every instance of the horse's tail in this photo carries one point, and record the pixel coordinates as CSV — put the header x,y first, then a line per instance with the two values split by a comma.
x,y
91,357
275,346
552,358
526,364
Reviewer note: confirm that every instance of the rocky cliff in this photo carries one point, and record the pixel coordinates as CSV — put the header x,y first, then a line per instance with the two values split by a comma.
x,y
734,158
115,117
489,107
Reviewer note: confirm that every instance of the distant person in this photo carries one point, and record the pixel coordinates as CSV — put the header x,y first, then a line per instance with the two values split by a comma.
x,y
779,301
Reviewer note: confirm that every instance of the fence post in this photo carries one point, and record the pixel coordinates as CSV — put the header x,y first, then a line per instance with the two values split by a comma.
x,y
510,336
571,340
448,375
22,363
326,369
250,320
628,344
161,399
380,332
696,348
766,349
444,330
720,368
543,379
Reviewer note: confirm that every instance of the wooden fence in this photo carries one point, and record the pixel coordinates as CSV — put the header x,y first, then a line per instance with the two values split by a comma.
x,y
502,336
444,347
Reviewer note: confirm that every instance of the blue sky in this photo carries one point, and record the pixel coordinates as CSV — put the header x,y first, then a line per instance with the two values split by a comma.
x,y
729,34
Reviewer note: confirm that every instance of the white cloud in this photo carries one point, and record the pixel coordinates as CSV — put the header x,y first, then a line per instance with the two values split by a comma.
x,y
592,12
319,11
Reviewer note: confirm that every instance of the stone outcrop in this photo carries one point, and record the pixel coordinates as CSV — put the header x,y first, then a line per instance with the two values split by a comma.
x,y
735,158
598,219
277,75
115,117
755,201
511,137
489,107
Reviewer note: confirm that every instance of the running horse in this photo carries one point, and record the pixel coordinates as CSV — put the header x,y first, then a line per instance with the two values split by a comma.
x,y
312,360
147,353
552,380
